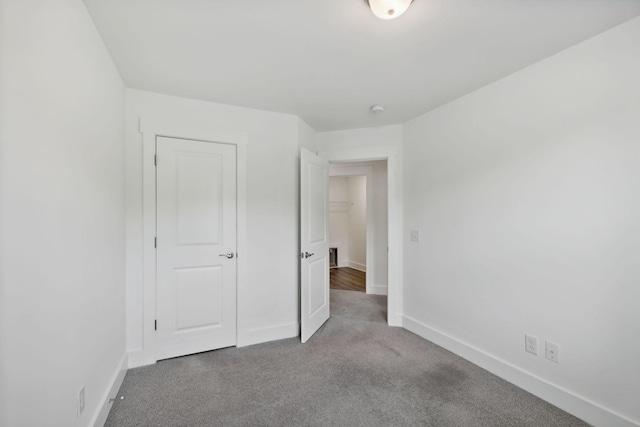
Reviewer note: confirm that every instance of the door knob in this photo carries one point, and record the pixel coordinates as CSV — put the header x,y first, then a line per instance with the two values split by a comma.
x,y
228,255
307,254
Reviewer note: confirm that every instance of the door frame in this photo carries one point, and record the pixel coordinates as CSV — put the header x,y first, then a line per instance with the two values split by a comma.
x,y
200,131
394,215
367,172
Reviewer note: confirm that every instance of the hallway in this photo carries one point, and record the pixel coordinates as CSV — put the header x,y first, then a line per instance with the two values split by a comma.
x,y
348,279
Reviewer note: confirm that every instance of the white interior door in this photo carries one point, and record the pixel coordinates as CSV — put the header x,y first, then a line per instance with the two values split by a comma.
x,y
314,236
196,245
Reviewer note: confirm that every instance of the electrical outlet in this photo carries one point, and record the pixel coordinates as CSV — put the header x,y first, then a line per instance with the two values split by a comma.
x,y
531,344
415,235
552,351
81,401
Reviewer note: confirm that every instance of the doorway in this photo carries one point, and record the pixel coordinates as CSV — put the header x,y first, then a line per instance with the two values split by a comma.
x,y
153,128
348,232
314,233
358,226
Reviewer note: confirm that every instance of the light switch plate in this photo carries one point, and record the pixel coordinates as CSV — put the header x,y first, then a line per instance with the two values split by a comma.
x,y
415,235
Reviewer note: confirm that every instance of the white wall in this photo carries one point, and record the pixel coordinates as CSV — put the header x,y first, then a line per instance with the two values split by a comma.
x,y
527,197
268,307
355,139
339,205
62,307
357,219
380,211
306,136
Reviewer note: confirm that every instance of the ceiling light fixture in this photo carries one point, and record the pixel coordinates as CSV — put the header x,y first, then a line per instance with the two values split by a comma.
x,y
376,108
389,9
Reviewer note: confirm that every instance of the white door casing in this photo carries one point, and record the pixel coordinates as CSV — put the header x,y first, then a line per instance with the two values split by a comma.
x,y
196,246
314,243
393,156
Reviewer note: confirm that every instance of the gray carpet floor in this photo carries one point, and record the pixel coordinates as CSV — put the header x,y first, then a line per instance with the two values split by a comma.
x,y
355,371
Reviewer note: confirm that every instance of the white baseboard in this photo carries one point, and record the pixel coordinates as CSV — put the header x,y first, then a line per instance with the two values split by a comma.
x,y
378,290
270,333
357,266
100,417
564,399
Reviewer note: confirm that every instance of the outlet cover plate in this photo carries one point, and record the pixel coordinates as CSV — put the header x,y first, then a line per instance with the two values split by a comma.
x,y
531,344
552,351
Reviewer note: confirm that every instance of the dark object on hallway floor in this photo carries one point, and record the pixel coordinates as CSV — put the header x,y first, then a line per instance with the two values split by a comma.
x,y
355,371
348,279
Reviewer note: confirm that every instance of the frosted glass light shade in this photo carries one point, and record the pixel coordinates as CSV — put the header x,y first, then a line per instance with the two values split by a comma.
x,y
389,9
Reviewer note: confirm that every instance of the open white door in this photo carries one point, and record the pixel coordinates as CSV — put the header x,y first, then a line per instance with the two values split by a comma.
x,y
314,243
196,245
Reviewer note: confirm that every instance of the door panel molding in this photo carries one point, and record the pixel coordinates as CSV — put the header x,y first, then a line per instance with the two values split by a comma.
x,y
152,127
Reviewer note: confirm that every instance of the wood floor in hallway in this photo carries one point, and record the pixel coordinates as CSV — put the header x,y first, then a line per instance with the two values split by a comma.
x,y
348,279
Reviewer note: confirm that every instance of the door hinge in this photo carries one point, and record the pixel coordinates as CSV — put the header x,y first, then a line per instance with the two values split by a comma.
x,y
155,242
155,159
155,325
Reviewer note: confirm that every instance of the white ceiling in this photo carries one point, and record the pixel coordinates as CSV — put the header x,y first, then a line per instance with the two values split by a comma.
x,y
327,61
